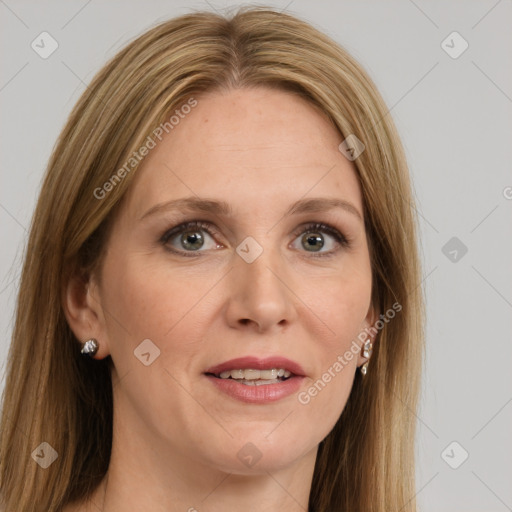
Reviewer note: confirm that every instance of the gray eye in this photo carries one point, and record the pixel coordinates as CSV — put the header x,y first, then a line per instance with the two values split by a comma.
x,y
321,240
313,241
192,240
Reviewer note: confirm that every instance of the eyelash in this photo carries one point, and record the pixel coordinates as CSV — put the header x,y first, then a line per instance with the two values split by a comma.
x,y
198,225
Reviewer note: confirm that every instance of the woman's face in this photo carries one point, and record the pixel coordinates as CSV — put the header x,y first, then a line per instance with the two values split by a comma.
x,y
255,278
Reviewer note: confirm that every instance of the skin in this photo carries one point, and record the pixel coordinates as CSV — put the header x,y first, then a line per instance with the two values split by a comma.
x,y
176,437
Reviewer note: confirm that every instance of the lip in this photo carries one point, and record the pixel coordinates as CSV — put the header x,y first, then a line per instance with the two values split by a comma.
x,y
257,394
266,393
255,363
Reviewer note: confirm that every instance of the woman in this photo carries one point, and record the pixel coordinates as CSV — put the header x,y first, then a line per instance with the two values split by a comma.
x,y
224,239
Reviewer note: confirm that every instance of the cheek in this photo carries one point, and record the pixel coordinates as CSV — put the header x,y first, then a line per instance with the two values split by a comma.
x,y
341,302
341,306
146,297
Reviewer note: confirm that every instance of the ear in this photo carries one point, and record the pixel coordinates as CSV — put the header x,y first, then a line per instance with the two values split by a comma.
x,y
368,332
81,301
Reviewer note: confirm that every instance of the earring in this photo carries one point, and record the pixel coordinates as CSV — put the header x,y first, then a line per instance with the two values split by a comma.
x,y
90,347
367,352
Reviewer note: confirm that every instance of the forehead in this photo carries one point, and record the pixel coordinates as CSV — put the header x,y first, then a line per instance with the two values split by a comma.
x,y
247,146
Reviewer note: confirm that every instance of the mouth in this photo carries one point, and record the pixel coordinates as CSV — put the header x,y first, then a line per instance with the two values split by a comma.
x,y
255,377
263,379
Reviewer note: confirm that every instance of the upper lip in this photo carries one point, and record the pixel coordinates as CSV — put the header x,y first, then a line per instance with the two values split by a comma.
x,y
255,363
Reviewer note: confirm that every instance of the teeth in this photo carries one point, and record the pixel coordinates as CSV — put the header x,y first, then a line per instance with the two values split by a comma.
x,y
253,375
259,382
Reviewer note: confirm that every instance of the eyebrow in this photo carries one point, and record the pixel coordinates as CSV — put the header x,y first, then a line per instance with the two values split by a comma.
x,y
196,204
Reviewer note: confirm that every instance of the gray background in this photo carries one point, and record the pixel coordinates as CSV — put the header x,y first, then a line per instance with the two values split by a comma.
x,y
454,116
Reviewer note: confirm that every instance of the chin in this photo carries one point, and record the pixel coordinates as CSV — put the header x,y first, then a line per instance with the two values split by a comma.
x,y
254,454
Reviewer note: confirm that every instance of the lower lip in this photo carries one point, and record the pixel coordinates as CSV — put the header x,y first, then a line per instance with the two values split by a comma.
x,y
257,394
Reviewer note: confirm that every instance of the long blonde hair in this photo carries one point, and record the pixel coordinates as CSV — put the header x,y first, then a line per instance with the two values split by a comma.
x,y
53,394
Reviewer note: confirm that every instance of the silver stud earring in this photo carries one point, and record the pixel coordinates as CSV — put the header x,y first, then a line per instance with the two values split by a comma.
x,y
90,347
367,352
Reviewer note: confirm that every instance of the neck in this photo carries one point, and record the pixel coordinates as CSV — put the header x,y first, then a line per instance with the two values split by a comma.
x,y
148,475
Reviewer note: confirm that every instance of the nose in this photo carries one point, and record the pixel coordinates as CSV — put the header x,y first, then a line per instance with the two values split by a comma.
x,y
260,296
